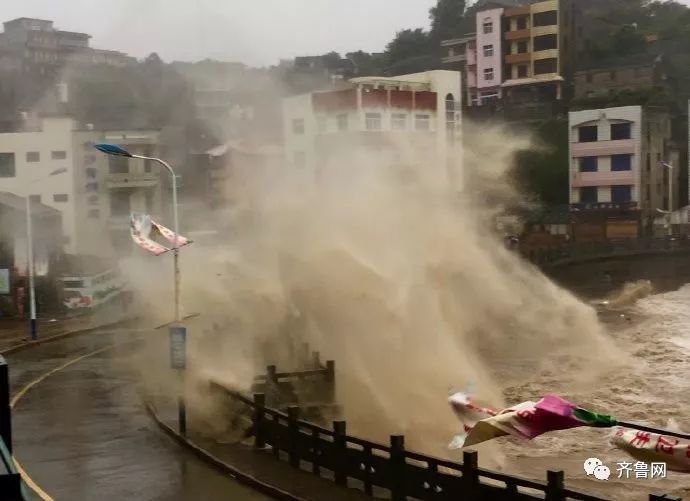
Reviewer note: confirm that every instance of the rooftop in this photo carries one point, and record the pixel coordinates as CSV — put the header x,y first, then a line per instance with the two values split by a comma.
x,y
19,203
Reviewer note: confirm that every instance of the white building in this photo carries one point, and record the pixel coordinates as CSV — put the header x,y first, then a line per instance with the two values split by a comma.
x,y
95,193
407,120
616,162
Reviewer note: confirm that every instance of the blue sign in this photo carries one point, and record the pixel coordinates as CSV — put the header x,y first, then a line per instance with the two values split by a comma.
x,y
178,347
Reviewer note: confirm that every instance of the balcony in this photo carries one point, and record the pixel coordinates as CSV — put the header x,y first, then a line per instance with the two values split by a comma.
x,y
471,57
551,29
131,180
517,35
517,11
518,58
603,148
456,58
612,178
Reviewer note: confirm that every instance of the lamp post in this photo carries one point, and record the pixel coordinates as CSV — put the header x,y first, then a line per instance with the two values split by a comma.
x,y
669,212
178,334
33,324
115,150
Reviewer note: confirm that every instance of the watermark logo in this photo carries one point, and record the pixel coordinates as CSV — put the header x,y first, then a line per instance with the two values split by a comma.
x,y
625,469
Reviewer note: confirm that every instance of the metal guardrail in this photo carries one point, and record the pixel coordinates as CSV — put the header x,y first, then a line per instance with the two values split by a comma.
x,y
565,254
11,486
358,463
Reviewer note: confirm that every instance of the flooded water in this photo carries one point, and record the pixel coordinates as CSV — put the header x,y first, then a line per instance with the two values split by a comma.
x,y
651,388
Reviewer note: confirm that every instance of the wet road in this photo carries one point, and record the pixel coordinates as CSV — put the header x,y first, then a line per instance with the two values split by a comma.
x,y
82,433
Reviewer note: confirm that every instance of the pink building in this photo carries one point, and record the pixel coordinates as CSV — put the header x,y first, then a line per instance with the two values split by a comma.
x,y
489,56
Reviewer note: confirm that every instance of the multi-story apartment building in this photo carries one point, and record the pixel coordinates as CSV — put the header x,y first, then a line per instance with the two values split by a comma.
x,y
53,162
35,46
540,49
404,120
521,53
617,158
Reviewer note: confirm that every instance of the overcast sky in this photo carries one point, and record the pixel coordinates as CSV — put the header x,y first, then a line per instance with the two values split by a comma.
x,y
257,32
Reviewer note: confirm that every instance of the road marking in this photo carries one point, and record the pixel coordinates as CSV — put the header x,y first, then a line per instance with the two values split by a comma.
x,y
25,476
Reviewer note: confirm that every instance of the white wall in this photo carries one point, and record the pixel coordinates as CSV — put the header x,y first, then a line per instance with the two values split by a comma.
x,y
31,178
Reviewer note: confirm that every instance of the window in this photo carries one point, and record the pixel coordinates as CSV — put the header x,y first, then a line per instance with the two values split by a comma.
x,y
58,155
588,134
33,156
94,213
35,199
488,50
90,172
522,71
60,197
548,18
588,195
522,47
545,42
93,199
422,122
373,121
588,164
542,66
298,126
621,162
300,159
7,165
620,194
488,26
399,121
118,165
341,121
620,131
119,203
522,23
488,73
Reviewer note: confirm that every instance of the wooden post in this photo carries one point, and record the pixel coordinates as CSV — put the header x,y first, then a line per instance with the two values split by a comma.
x,y
304,356
316,459
5,411
555,485
272,387
397,462
368,486
259,420
470,473
340,443
330,381
433,480
293,435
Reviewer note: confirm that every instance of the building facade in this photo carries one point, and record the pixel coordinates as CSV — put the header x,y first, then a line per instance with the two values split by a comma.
x,y
35,46
617,158
408,120
53,161
520,54
610,77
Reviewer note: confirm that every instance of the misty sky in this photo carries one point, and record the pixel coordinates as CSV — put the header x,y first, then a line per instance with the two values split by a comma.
x,y
257,32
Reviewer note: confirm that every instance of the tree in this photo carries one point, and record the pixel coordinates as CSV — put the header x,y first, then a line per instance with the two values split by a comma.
x,y
408,44
447,19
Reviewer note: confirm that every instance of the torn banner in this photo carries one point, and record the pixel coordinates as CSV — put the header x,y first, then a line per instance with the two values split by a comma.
x,y
529,420
652,447
142,228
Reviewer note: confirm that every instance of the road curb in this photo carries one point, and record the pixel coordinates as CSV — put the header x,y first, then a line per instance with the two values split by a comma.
x,y
238,475
57,337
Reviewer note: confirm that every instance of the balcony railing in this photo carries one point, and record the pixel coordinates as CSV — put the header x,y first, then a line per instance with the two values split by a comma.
x,y
131,180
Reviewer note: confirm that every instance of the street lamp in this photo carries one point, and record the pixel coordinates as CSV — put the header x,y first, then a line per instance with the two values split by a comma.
x,y
115,150
33,329
178,334
669,212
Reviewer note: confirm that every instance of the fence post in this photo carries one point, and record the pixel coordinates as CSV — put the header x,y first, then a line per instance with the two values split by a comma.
x,y
330,381
340,432
293,435
259,420
555,485
470,473
272,386
397,463
5,411
316,359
